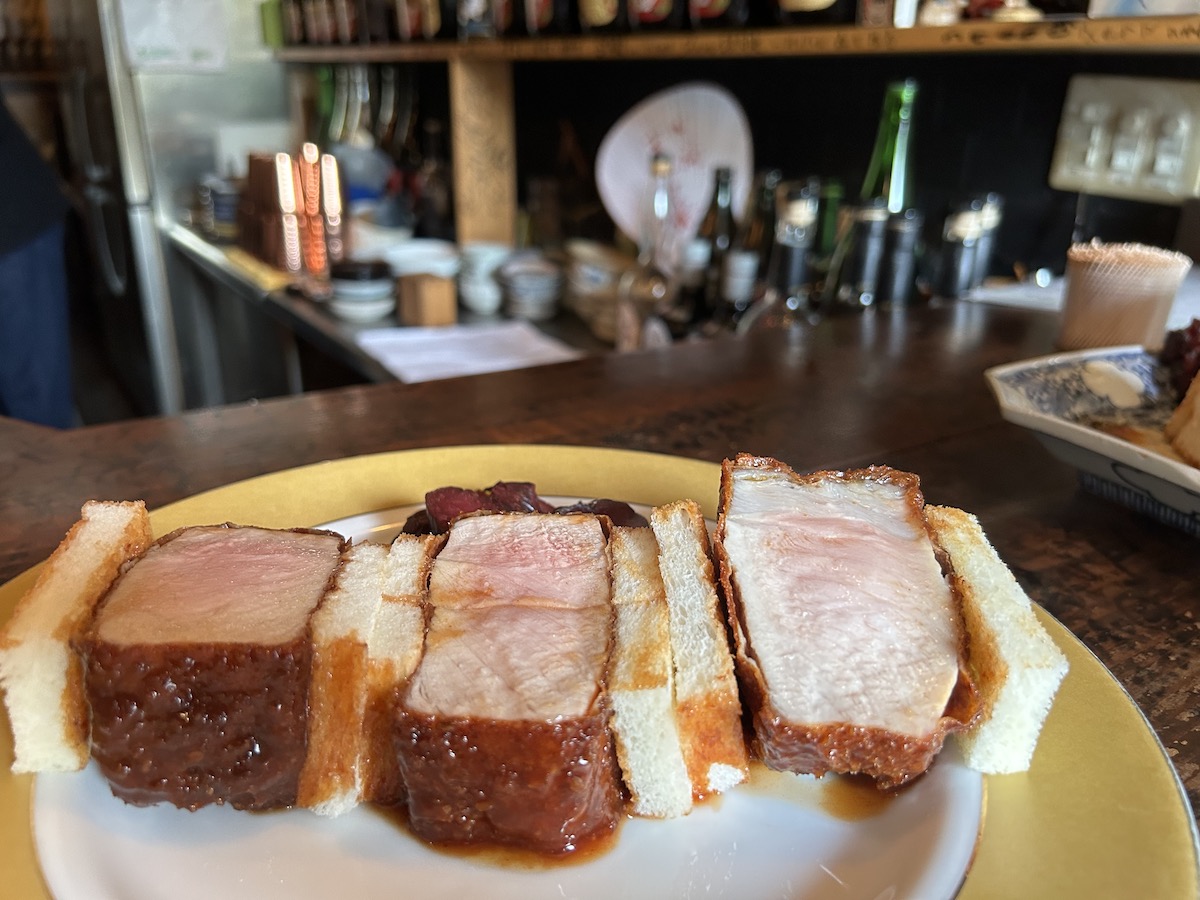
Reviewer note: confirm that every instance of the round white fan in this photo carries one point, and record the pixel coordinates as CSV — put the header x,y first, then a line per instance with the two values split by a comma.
x,y
701,126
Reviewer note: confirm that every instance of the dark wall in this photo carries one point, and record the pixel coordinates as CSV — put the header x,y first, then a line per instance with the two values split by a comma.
x,y
982,122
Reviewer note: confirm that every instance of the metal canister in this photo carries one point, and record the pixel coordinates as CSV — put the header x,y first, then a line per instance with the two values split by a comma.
x,y
858,278
989,222
960,241
897,270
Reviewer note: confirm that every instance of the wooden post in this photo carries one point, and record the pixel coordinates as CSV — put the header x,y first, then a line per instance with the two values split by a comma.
x,y
484,150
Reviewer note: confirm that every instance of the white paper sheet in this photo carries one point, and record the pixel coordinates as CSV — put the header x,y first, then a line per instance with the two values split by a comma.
x,y
174,35
428,354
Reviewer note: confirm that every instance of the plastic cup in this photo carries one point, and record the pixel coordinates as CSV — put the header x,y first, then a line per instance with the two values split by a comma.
x,y
1119,294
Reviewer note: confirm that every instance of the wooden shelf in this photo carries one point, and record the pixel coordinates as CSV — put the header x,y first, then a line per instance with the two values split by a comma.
x,y
1148,34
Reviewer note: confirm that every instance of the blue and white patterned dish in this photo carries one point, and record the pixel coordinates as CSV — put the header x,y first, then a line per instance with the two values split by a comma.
x,y
1058,397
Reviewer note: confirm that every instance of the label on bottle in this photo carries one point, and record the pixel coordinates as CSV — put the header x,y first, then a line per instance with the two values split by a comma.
x,y
653,11
805,6
800,213
597,13
707,9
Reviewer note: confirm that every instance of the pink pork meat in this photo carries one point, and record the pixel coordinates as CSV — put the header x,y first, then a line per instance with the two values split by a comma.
x,y
849,638
502,732
198,666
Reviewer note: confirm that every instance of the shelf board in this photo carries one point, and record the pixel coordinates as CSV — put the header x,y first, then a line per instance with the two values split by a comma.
x,y
1142,34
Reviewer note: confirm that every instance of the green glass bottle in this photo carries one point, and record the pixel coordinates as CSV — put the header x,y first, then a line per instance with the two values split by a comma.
x,y
889,172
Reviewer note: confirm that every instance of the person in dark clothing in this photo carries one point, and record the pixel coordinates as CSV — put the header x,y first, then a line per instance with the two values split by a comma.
x,y
35,341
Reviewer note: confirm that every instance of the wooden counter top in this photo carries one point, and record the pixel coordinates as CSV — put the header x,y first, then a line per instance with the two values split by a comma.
x,y
902,388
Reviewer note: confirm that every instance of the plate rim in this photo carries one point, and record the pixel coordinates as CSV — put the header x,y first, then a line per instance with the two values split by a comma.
x,y
272,499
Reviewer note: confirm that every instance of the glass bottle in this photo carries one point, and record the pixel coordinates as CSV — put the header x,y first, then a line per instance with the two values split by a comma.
x,y
435,206
705,14
815,12
852,279
647,291
426,20
796,222
888,174
716,228
549,17
755,234
658,15
604,16
481,18
785,296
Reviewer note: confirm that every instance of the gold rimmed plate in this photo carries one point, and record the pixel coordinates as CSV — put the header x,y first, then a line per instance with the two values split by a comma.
x,y
1101,813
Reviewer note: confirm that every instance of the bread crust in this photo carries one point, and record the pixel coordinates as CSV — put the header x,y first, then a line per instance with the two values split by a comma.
x,y
40,670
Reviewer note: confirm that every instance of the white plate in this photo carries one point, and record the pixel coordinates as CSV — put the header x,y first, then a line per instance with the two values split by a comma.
x,y
771,838
700,126
1056,397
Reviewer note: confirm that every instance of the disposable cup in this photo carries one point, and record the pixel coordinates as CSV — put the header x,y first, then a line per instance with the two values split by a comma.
x,y
1119,294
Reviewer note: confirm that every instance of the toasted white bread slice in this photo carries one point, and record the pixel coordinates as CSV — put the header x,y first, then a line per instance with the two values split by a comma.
x,y
640,681
708,709
1183,428
41,673
1013,661
394,649
331,780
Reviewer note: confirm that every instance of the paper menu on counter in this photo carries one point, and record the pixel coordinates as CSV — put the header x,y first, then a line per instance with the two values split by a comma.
x,y
428,354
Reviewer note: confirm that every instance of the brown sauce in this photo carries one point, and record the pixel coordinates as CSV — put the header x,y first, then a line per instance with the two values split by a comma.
x,y
502,857
850,798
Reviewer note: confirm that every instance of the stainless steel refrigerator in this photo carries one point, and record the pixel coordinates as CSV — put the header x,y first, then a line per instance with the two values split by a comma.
x,y
143,127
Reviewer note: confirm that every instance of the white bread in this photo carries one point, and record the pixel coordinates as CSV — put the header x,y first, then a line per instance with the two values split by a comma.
x,y
394,649
1013,661
1183,428
40,671
708,708
331,780
640,681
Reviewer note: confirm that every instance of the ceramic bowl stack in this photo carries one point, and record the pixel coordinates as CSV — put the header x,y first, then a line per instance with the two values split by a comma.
x,y
478,289
424,256
362,291
532,286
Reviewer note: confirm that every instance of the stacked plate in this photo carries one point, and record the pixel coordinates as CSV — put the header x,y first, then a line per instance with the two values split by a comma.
x,y
532,285
362,290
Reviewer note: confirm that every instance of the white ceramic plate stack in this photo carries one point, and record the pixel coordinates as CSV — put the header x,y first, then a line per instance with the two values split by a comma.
x,y
363,291
478,289
532,286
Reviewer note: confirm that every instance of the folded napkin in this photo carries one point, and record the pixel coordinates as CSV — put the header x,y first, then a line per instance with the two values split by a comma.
x,y
427,354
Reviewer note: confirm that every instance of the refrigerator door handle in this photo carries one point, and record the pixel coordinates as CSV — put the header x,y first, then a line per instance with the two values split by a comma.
x,y
116,274
81,127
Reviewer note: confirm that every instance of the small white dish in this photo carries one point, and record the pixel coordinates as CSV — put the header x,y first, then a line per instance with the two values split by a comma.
x,y
356,310
1059,396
